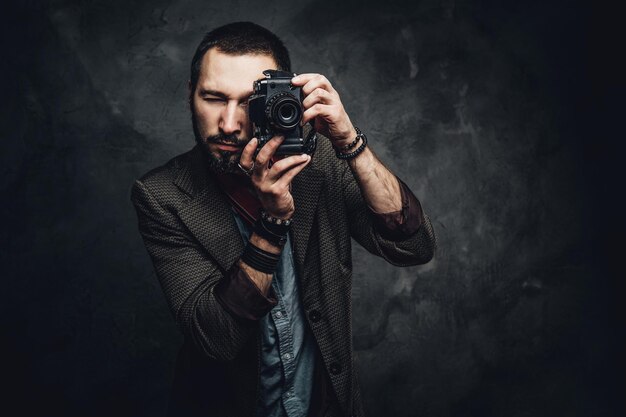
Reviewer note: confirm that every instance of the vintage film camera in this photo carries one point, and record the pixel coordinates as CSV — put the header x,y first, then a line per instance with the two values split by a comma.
x,y
275,108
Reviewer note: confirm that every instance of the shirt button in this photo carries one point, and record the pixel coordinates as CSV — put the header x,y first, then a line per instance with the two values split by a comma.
x,y
288,394
287,356
278,314
335,368
315,316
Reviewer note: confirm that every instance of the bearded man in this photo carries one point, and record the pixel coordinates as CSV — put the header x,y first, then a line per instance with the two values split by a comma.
x,y
253,252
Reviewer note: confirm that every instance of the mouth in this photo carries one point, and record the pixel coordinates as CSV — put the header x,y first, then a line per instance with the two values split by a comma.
x,y
228,147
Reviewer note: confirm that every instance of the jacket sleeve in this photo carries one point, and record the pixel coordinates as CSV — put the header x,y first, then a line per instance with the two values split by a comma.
x,y
194,286
416,249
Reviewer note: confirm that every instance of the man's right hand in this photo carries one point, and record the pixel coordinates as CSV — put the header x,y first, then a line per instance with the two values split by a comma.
x,y
273,185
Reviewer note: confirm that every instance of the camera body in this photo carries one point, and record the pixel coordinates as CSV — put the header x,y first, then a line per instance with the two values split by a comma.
x,y
275,108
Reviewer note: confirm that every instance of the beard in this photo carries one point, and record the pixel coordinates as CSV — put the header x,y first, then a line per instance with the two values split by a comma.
x,y
220,162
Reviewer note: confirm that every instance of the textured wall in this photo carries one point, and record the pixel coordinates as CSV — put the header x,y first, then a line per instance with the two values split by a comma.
x,y
474,104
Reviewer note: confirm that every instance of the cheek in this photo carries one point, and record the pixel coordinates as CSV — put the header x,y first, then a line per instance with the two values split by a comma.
x,y
206,118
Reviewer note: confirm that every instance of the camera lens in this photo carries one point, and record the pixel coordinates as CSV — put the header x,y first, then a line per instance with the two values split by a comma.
x,y
285,111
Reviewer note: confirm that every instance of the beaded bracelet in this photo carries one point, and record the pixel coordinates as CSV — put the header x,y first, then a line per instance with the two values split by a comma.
x,y
354,142
355,153
273,233
275,220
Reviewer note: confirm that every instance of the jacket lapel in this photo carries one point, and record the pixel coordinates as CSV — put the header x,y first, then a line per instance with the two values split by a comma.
x,y
306,187
208,214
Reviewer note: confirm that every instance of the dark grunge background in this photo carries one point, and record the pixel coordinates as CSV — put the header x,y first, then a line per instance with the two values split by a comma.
x,y
501,116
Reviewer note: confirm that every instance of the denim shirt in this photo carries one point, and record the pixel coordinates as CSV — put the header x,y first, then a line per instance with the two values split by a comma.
x,y
287,345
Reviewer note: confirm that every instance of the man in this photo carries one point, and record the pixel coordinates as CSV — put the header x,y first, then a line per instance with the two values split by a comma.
x,y
253,252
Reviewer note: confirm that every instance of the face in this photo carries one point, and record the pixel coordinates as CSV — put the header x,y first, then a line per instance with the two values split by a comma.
x,y
219,105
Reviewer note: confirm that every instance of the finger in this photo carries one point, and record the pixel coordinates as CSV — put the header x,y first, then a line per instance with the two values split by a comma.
x,y
245,160
288,176
301,79
279,168
323,110
319,95
310,82
267,151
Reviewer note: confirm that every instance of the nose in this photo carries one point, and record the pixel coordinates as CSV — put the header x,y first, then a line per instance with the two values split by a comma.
x,y
232,119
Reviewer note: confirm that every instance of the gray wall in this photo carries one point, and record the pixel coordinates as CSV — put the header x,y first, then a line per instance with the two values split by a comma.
x,y
478,106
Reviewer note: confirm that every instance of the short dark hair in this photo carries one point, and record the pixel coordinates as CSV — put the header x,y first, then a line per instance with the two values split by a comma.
x,y
240,38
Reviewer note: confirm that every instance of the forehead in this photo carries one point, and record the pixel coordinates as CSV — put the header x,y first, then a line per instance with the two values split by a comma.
x,y
232,74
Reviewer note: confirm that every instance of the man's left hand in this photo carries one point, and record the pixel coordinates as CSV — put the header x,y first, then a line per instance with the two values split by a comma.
x,y
322,104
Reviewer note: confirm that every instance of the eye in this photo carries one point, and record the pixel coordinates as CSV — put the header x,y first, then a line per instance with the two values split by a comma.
x,y
212,99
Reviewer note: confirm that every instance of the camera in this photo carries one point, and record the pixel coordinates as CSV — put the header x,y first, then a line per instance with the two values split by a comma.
x,y
275,108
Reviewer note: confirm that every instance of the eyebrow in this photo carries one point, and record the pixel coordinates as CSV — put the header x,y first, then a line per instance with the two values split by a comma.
x,y
219,94
204,92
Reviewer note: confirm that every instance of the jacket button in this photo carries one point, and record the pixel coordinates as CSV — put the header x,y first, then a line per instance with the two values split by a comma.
x,y
315,316
335,368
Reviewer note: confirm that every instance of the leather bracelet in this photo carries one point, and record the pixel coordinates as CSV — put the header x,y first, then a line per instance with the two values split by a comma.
x,y
276,235
354,142
259,259
355,153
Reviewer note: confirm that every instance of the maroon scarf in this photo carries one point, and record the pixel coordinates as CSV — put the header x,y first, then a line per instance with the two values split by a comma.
x,y
241,195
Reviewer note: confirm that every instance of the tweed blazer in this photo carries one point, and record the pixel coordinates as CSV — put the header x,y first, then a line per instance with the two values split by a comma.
x,y
190,233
